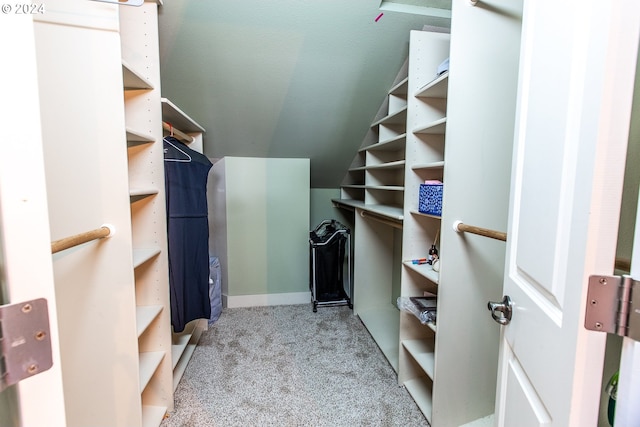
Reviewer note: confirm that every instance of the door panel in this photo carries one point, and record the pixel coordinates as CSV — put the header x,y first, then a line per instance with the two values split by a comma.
x,y
523,403
573,106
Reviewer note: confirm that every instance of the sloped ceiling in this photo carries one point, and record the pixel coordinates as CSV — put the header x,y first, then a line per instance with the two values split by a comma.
x,y
285,78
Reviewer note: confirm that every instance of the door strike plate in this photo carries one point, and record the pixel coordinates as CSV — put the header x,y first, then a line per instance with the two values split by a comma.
x,y
25,341
610,306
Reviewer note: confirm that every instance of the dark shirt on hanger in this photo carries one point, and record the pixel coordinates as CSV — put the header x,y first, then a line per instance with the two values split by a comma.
x,y
186,173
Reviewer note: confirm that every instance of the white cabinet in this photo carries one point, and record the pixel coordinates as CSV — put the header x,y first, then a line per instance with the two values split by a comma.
x,y
259,229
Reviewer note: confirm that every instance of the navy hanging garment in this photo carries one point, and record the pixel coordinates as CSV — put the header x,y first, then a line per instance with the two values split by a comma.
x,y
186,173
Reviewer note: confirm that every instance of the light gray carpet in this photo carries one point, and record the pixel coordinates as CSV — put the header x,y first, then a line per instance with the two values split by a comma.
x,y
288,366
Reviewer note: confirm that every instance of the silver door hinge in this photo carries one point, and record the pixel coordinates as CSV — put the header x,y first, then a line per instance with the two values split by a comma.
x,y
25,341
610,306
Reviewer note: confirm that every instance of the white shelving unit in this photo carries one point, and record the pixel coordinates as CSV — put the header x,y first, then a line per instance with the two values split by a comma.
x,y
426,126
100,114
460,111
107,167
141,85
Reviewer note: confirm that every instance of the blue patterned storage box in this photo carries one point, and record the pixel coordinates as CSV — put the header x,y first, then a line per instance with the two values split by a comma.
x,y
430,201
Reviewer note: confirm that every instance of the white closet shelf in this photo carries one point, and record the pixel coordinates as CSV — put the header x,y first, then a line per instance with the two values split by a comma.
x,y
398,164
422,352
180,342
178,118
384,187
360,186
393,212
383,323
425,270
142,255
152,416
149,362
142,192
437,127
418,213
436,88
184,344
399,117
132,79
420,390
357,168
145,314
430,165
400,88
136,137
392,144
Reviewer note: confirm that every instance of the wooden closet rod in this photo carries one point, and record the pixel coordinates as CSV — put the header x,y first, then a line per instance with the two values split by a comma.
x,y
623,264
177,133
71,241
380,218
343,206
486,232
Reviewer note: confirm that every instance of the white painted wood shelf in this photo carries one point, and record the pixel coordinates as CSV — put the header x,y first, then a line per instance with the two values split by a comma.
x,y
142,255
420,390
149,362
423,353
172,114
425,270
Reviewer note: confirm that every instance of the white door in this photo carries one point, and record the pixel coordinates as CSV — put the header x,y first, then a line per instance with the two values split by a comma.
x,y
577,70
26,271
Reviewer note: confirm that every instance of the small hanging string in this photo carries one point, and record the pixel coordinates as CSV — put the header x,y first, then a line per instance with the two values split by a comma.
x,y
170,129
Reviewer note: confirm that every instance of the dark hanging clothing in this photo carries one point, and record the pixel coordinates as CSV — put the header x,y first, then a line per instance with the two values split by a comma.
x,y
186,173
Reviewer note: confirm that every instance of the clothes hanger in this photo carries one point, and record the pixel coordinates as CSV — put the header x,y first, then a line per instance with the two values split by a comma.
x,y
169,159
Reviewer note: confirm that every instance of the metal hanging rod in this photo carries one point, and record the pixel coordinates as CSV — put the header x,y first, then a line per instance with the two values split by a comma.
x,y
459,226
177,133
106,230
390,222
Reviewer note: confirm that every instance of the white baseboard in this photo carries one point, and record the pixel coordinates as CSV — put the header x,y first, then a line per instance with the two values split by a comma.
x,y
266,299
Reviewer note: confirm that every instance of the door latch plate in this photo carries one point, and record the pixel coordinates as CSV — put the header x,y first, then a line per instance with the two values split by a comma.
x,y
25,341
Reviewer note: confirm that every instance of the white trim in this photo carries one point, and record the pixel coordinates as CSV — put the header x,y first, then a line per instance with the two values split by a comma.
x,y
266,299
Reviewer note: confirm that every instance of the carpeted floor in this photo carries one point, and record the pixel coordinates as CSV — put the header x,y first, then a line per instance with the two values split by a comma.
x,y
288,366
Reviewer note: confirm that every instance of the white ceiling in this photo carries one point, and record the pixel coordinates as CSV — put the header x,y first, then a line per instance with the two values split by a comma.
x,y
287,78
